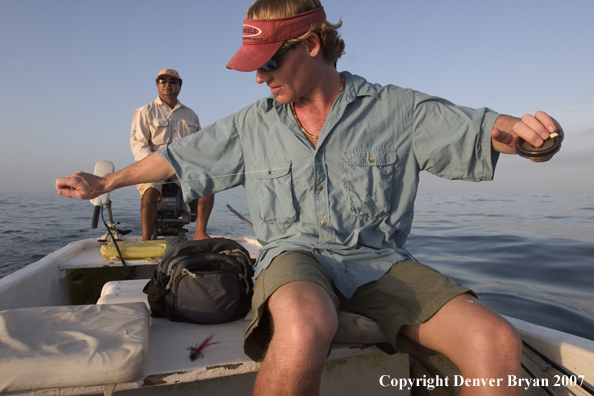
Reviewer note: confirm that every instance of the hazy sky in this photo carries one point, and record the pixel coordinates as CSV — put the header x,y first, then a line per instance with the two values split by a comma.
x,y
76,70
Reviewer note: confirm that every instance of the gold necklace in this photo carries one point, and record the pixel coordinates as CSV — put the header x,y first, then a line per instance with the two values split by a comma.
x,y
292,104
309,135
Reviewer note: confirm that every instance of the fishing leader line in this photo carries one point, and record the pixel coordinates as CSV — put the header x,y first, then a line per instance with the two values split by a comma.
x,y
267,170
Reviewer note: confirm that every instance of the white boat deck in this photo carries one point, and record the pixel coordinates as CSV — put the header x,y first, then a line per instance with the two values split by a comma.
x,y
168,359
168,362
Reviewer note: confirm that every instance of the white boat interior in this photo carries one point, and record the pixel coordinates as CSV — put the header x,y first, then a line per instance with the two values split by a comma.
x,y
77,323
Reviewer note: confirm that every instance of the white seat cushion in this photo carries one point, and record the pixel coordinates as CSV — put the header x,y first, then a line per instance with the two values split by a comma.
x,y
65,346
117,292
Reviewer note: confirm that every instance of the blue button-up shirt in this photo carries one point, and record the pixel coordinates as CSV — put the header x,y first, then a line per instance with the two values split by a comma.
x,y
350,200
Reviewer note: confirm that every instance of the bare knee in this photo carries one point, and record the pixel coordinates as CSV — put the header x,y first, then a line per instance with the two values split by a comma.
x,y
307,323
306,338
501,339
473,336
303,315
496,346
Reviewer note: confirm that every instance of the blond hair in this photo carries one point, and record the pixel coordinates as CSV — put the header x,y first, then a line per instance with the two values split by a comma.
x,y
332,43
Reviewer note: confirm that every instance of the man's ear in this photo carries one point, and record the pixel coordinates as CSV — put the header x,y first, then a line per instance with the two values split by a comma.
x,y
314,44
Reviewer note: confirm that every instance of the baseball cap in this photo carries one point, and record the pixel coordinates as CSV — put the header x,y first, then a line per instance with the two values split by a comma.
x,y
263,37
169,72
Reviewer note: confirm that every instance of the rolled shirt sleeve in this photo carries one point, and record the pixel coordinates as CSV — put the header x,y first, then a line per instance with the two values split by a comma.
x,y
209,161
453,142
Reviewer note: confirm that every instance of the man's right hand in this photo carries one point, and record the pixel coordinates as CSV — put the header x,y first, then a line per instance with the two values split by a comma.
x,y
86,186
80,185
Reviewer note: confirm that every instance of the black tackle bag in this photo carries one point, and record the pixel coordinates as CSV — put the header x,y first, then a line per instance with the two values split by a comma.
x,y
208,281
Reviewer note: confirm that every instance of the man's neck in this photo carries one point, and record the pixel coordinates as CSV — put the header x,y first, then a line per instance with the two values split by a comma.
x,y
324,92
311,111
171,102
322,97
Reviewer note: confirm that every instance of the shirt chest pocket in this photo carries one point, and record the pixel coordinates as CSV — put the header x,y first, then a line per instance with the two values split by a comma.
x,y
368,176
159,135
275,193
188,127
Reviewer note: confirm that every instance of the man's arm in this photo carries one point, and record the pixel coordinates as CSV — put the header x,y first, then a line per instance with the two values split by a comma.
x,y
87,186
535,129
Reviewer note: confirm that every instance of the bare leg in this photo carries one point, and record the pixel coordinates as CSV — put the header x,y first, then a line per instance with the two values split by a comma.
x,y
481,343
203,211
305,321
148,212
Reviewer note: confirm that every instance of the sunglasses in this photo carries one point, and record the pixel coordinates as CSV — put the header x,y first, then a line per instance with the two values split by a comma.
x,y
272,64
170,80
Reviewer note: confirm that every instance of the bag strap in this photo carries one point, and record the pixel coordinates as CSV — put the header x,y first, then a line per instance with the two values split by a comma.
x,y
195,248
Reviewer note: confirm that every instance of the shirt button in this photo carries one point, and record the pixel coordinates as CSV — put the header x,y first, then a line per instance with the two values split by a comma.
x,y
320,187
323,223
271,172
371,159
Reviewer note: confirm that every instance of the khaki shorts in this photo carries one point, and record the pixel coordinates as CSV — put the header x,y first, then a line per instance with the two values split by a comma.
x,y
410,293
143,187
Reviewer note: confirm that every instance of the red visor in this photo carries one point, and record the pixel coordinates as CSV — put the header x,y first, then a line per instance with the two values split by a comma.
x,y
263,37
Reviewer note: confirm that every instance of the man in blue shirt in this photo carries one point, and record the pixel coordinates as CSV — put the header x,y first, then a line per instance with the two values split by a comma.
x,y
330,164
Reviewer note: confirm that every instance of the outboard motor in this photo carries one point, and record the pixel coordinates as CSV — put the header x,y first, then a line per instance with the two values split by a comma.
x,y
173,213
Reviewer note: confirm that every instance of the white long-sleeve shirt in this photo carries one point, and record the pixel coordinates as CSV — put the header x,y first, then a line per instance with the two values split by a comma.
x,y
156,124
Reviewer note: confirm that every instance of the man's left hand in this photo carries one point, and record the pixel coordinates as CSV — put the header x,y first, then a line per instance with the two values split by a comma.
x,y
535,129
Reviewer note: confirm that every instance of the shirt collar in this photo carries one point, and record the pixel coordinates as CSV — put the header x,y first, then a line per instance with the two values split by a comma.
x,y
355,86
160,101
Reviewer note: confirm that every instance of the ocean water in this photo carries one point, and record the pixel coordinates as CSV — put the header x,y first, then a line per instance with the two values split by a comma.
x,y
527,255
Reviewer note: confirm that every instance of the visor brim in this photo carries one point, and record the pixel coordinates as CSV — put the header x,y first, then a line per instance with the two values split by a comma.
x,y
250,57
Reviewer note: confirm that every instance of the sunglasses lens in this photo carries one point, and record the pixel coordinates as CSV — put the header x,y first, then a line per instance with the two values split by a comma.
x,y
170,80
270,65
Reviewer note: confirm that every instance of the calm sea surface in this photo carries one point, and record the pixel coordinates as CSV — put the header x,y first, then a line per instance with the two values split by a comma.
x,y
527,255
